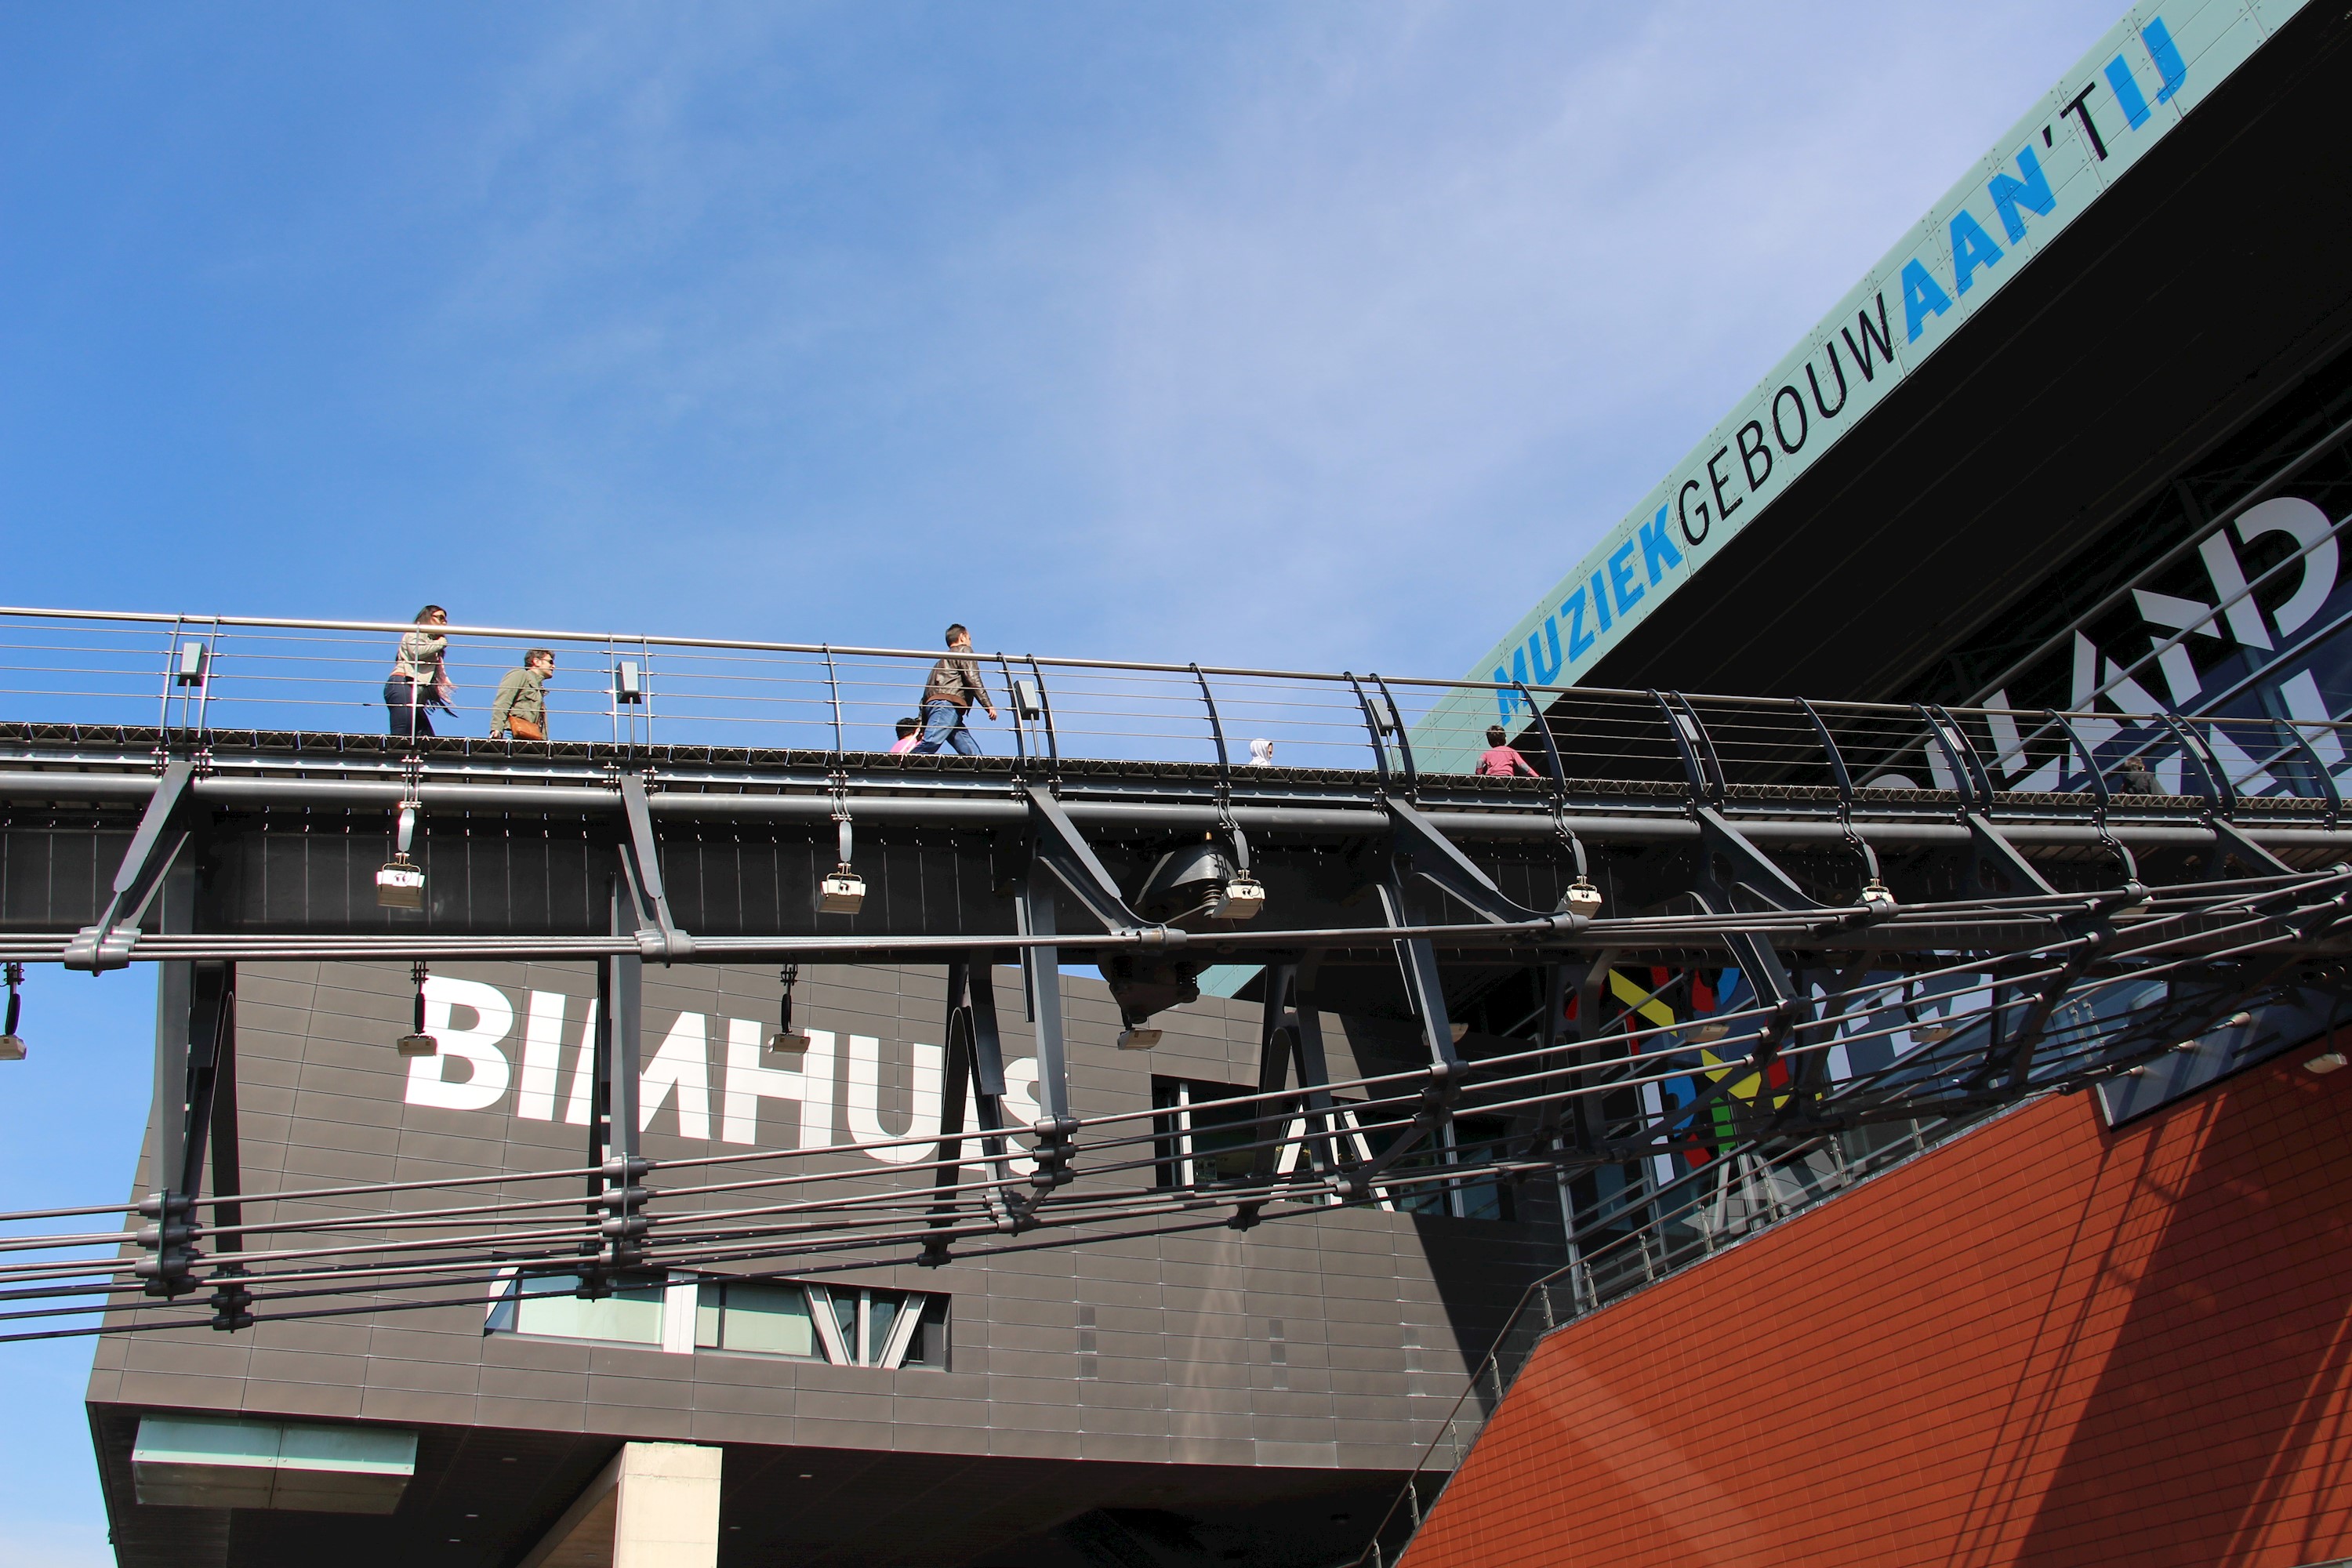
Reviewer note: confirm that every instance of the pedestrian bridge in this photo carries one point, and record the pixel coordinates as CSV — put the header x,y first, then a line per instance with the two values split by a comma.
x,y
1929,912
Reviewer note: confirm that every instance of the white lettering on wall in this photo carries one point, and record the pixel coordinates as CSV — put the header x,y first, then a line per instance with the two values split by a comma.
x,y
866,1101
2303,522
583,1072
542,1055
748,1083
682,1063
472,1072
476,1045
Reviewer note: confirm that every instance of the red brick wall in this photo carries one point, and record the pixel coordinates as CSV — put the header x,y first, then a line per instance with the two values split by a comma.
x,y
2045,1344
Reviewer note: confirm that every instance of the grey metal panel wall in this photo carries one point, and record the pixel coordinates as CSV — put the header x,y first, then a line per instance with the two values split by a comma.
x,y
1380,1311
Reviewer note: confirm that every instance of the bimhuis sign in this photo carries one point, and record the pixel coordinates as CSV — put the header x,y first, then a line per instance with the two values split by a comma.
x,y
2136,84
527,1052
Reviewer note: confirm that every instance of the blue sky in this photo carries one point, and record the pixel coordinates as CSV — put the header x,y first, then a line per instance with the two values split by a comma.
x,y
1323,335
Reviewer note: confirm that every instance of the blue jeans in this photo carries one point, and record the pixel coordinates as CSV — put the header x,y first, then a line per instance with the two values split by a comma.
x,y
944,726
410,705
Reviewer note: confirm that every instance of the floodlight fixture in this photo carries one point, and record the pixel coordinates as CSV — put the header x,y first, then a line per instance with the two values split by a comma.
x,y
418,1043
842,892
1244,897
787,1041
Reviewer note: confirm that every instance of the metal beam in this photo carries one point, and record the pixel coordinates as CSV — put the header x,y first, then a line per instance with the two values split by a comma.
x,y
1987,845
657,933
1419,849
2060,824
163,831
974,1068
1751,868
179,1131
620,1020
1057,845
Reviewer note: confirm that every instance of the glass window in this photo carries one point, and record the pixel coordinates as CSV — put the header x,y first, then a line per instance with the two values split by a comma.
x,y
765,1319
928,1347
1464,1143
549,1304
1199,1142
759,1317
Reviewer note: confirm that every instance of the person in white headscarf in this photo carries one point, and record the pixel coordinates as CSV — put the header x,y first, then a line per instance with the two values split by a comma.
x,y
1261,752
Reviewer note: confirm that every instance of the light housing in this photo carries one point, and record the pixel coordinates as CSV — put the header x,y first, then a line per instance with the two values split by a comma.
x,y
842,892
400,885
1582,899
1137,1038
12,1049
1244,897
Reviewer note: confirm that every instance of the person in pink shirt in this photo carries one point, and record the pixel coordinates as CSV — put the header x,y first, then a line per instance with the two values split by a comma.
x,y
910,731
1501,759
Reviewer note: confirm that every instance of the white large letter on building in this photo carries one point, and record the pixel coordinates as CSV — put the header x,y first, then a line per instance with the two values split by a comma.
x,y
476,1047
748,1083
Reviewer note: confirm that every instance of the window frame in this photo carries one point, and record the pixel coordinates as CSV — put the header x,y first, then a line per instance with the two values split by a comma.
x,y
913,1316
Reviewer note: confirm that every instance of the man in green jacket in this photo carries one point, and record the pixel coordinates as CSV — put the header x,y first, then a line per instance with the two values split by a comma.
x,y
519,712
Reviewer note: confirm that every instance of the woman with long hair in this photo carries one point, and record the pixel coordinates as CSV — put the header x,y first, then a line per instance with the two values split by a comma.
x,y
420,676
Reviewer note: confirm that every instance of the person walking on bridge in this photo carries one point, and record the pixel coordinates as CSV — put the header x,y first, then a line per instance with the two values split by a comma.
x,y
420,680
947,696
519,709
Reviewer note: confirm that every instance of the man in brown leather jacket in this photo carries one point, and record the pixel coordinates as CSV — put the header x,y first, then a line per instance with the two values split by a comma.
x,y
947,696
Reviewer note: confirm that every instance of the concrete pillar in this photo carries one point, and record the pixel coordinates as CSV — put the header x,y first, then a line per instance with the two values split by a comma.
x,y
654,1506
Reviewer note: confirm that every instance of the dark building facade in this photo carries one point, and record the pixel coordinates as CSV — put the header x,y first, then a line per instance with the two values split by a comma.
x,y
1189,1391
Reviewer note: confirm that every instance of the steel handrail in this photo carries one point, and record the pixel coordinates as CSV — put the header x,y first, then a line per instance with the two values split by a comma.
x,y
819,650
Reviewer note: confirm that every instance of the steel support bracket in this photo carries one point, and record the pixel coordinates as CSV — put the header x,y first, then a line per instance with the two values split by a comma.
x,y
2229,839
657,936
164,831
1424,983
1986,844
1056,845
1752,869
1418,849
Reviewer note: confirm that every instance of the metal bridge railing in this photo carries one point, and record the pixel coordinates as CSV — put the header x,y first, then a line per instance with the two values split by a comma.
x,y
1685,1223
220,673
